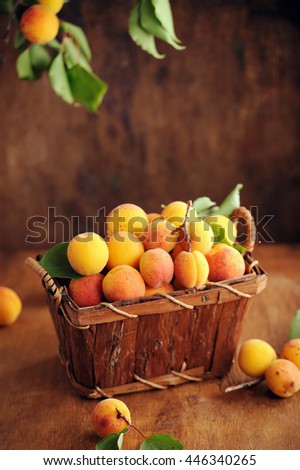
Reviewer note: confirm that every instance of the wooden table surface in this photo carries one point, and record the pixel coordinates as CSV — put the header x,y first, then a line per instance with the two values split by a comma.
x,y
40,410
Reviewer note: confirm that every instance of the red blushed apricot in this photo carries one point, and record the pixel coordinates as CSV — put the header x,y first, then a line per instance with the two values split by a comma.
x,y
224,262
87,290
110,416
191,269
156,267
39,24
123,283
159,235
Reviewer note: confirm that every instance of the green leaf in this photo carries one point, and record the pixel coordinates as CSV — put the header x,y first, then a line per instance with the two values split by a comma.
x,y
59,79
56,263
78,35
19,40
141,37
24,67
161,442
203,205
231,202
40,58
111,442
294,330
6,6
73,56
152,25
86,87
241,249
55,44
164,15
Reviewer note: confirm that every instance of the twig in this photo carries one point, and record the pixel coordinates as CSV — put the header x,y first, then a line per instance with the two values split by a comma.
x,y
243,385
184,227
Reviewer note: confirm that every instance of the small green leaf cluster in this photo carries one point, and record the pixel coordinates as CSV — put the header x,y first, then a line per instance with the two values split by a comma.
x,y
156,442
205,206
294,330
151,19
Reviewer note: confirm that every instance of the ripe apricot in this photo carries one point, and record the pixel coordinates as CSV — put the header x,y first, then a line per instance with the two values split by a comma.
x,y
124,248
255,356
87,253
224,262
54,5
39,24
175,212
153,215
201,236
108,417
159,235
122,283
87,290
224,229
156,267
191,269
283,378
10,306
291,351
126,217
164,288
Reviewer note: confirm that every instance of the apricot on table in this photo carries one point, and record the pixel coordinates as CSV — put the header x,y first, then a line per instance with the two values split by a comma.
x,y
108,417
291,351
283,378
225,262
191,269
10,306
126,217
87,253
39,24
87,290
156,267
124,248
255,356
54,5
123,283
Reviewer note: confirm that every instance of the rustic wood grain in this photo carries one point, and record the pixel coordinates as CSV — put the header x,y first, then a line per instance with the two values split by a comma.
x,y
40,410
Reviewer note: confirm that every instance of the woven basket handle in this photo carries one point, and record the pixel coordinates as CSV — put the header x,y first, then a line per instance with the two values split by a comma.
x,y
244,215
53,290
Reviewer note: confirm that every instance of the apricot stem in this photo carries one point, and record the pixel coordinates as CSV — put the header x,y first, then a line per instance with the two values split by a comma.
x,y
129,424
183,226
249,384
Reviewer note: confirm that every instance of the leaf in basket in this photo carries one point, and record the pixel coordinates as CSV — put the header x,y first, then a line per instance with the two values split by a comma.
x,y
56,263
161,442
231,202
241,249
294,331
203,205
111,442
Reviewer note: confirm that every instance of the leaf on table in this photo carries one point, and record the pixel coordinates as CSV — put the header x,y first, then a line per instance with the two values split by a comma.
x,y
161,442
40,58
203,205
152,25
231,202
73,56
141,37
111,442
77,33
86,87
56,263
24,66
163,13
59,80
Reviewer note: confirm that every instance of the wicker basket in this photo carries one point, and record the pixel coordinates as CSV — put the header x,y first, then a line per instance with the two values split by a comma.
x,y
151,342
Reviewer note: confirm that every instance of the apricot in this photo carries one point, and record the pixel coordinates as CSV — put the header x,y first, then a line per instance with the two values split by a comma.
x,y
153,215
124,248
39,24
176,250
54,5
87,253
122,283
108,417
10,306
224,229
87,290
283,378
291,351
159,235
175,212
225,262
255,356
164,288
191,269
126,217
201,236
156,267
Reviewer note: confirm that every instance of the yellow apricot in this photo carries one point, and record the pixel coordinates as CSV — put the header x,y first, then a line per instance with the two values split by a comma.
x,y
224,229
255,356
39,24
87,253
108,417
54,5
225,262
124,248
291,351
283,378
123,283
159,235
156,267
191,269
202,236
126,217
175,212
153,215
10,306
164,288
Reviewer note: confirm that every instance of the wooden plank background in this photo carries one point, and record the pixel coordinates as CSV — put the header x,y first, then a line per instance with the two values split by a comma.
x,y
225,110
